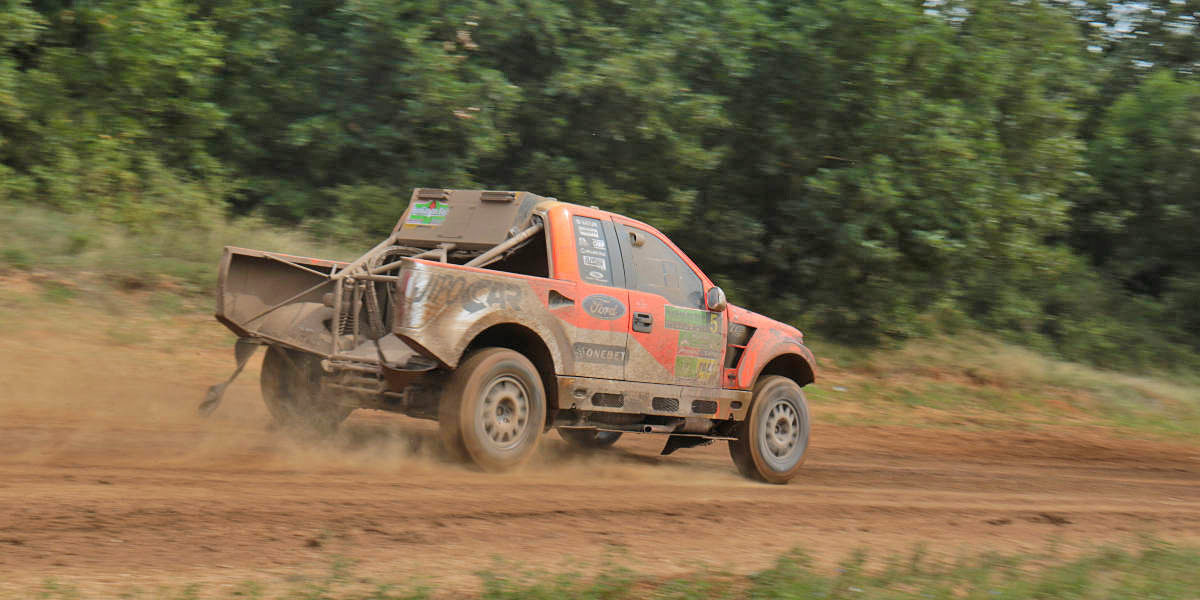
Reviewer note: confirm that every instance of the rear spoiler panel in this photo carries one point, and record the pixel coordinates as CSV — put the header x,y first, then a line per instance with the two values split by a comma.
x,y
252,282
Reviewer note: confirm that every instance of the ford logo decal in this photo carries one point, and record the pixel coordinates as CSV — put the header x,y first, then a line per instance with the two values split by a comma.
x,y
603,307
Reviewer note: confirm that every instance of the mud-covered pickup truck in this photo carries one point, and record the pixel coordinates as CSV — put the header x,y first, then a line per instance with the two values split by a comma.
x,y
505,314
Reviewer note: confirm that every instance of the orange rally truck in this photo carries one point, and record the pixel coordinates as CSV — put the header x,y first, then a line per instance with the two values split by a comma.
x,y
504,314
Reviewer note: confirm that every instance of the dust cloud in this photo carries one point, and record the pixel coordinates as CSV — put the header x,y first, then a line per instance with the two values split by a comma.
x,y
86,404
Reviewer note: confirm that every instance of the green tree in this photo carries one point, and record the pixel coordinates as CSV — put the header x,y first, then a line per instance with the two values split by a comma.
x,y
606,115
1130,40
114,112
20,27
888,161
1140,224
327,96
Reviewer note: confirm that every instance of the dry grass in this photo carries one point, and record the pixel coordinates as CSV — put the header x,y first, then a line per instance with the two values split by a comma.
x,y
975,380
75,248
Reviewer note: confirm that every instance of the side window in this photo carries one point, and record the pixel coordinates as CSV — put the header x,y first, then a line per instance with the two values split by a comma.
x,y
595,262
657,269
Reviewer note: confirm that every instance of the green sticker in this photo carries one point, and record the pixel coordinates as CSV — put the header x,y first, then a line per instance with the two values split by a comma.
x,y
697,343
691,367
428,213
686,319
686,367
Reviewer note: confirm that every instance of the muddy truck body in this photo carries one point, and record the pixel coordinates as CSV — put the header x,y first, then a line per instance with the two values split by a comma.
x,y
505,314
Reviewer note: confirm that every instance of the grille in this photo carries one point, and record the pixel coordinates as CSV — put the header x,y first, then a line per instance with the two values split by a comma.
x,y
608,400
704,407
733,357
739,335
665,404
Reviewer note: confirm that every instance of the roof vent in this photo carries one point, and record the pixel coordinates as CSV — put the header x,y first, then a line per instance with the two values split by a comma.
x,y
427,194
498,196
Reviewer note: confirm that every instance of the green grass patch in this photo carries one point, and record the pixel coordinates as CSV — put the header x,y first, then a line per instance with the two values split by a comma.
x,y
16,259
1156,570
58,293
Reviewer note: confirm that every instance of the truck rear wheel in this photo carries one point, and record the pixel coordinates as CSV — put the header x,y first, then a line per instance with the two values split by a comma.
x,y
493,409
291,388
772,441
589,438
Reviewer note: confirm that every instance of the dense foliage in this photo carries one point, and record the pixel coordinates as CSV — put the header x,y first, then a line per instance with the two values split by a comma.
x,y
872,169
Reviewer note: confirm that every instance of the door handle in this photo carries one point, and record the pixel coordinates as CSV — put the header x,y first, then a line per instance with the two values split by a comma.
x,y
643,322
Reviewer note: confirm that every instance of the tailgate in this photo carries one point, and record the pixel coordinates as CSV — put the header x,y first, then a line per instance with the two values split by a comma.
x,y
277,297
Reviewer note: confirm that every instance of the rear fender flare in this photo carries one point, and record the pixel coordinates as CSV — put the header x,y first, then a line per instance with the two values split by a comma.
x,y
443,325
545,334
452,355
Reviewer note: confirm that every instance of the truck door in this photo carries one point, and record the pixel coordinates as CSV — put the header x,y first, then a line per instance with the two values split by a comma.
x,y
672,338
597,315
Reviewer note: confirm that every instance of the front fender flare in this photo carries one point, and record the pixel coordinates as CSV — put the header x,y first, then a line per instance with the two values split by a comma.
x,y
803,373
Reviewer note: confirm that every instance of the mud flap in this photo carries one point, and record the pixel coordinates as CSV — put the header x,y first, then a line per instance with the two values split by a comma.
x,y
676,442
242,351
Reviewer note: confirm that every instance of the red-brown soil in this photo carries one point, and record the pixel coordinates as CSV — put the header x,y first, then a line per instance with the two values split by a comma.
x,y
108,480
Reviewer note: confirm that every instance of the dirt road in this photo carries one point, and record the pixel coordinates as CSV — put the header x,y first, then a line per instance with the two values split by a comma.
x,y
108,479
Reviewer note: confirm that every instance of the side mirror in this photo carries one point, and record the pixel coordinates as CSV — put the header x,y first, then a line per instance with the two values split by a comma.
x,y
715,299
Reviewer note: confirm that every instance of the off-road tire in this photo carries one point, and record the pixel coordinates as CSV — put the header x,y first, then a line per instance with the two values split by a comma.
x,y
291,389
772,441
589,438
493,409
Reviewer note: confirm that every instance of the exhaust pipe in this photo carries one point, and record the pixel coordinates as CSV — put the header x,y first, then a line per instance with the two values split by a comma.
x,y
659,428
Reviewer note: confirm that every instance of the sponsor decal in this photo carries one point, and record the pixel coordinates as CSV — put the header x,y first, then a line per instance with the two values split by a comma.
x,y
593,252
691,367
737,330
695,343
700,342
687,319
597,353
593,261
472,294
603,307
429,213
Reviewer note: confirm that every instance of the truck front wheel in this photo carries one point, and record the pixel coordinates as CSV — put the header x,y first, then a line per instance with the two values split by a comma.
x,y
771,442
493,409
